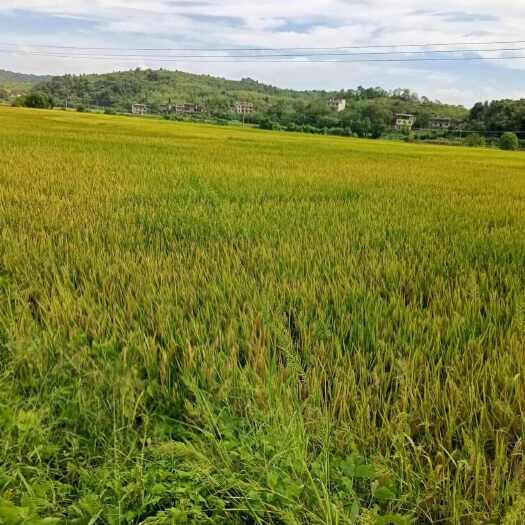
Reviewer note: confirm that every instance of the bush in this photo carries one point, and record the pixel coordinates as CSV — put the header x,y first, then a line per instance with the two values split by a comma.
x,y
475,140
269,125
38,101
266,124
509,142
307,128
377,130
81,108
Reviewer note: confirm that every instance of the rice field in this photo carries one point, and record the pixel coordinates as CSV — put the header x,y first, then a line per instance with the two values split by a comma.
x,y
211,325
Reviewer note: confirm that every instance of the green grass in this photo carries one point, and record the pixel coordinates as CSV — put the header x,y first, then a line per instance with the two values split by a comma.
x,y
212,325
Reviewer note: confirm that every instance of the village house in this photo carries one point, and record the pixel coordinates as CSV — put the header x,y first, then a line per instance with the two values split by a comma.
x,y
440,123
166,108
405,121
188,109
139,109
244,108
337,104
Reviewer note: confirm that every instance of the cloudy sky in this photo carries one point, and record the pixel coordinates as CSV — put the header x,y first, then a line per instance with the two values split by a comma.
x,y
28,25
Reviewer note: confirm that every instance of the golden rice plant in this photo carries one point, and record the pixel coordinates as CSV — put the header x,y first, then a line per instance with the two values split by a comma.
x,y
207,324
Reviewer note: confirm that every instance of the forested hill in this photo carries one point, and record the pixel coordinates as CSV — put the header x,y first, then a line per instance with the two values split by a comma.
x,y
156,87
19,82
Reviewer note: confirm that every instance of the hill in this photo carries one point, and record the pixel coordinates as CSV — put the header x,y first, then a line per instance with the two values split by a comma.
x,y
17,83
367,108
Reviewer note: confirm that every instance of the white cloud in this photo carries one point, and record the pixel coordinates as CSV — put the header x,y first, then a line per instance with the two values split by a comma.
x,y
274,23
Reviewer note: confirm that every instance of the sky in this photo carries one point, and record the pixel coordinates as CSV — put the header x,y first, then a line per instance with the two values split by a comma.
x,y
27,25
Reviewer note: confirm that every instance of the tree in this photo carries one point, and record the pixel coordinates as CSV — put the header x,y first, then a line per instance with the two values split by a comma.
x,y
475,140
266,123
314,111
423,116
379,117
509,141
38,100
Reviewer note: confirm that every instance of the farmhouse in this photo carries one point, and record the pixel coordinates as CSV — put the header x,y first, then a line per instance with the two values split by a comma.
x,y
166,108
244,108
139,109
440,123
337,104
188,109
405,121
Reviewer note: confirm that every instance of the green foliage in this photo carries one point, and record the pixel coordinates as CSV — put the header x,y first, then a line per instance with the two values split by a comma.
x,y
498,115
268,124
12,515
475,140
37,101
509,141
369,111
13,85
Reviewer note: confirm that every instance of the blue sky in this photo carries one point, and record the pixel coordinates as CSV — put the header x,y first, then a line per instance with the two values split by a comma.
x,y
273,23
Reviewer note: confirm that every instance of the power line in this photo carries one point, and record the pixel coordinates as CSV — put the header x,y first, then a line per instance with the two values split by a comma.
x,y
252,60
240,48
272,55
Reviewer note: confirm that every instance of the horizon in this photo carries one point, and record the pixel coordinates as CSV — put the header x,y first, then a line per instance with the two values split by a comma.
x,y
33,31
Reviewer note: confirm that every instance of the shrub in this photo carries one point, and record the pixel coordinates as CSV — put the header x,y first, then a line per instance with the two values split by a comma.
x,y
307,128
81,108
38,101
475,140
509,141
266,124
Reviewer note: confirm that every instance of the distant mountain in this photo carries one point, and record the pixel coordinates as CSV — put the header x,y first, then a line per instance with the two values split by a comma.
x,y
19,82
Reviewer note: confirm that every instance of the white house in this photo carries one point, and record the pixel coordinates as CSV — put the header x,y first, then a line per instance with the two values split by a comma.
x,y
337,104
139,109
440,123
405,121
188,109
244,108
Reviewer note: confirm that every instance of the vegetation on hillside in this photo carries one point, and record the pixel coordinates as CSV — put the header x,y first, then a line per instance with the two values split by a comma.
x,y
205,325
13,84
498,116
369,110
